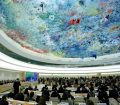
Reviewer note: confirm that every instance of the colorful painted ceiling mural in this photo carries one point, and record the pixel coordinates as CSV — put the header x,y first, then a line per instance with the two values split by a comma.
x,y
63,28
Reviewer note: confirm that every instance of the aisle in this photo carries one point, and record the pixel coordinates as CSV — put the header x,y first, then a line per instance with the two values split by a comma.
x,y
40,86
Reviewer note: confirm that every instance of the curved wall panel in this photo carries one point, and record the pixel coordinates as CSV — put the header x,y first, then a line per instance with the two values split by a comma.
x,y
11,64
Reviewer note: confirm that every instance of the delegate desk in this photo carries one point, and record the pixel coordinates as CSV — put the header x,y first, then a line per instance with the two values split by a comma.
x,y
76,95
39,94
80,95
17,102
63,103
82,103
101,104
112,101
73,89
35,92
49,103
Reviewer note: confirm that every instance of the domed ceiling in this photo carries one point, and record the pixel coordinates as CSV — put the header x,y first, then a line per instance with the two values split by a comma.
x,y
63,28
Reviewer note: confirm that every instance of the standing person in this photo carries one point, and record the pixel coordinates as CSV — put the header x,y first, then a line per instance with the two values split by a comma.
x,y
3,101
36,89
102,95
16,86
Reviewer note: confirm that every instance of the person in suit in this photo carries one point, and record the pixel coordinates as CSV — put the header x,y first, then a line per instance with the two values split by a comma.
x,y
3,101
30,87
102,95
46,94
78,89
44,88
1,82
26,91
36,89
55,94
114,93
31,96
20,96
67,95
89,102
91,93
60,90
26,95
54,87
16,86
11,94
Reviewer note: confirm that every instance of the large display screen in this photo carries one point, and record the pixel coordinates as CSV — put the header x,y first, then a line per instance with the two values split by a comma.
x,y
30,76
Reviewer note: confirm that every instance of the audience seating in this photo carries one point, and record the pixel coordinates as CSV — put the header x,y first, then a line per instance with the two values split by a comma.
x,y
79,100
82,103
112,101
95,100
54,100
119,100
80,97
101,104
49,103
63,103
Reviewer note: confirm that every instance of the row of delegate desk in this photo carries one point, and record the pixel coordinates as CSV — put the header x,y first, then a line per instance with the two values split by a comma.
x,y
38,93
78,95
9,86
16,102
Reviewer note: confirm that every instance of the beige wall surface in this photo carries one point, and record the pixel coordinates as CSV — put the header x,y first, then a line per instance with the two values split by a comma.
x,y
8,75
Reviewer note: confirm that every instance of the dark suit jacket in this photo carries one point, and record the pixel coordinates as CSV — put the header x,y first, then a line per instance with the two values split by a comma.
x,y
55,94
3,102
16,86
113,94
11,95
19,96
46,94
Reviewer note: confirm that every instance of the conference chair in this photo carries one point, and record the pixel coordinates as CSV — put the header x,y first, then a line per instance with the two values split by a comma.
x,y
79,100
94,100
54,100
